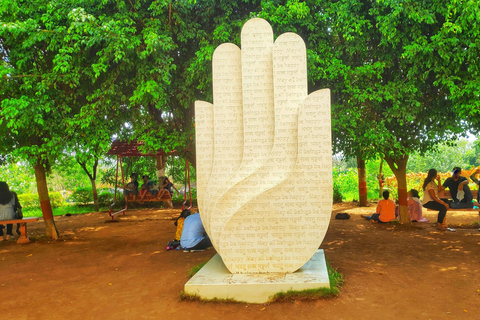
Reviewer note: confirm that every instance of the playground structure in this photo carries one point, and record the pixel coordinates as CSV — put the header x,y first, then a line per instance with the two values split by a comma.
x,y
131,149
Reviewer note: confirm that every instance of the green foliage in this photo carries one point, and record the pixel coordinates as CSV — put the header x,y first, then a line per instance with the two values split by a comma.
x,y
20,177
337,194
82,196
346,182
195,269
105,197
445,156
176,169
59,211
30,200
336,282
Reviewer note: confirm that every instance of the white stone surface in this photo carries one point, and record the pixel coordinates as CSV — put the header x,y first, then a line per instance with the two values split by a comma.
x,y
264,170
214,281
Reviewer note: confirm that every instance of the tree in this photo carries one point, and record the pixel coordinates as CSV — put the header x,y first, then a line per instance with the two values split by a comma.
x,y
152,57
397,93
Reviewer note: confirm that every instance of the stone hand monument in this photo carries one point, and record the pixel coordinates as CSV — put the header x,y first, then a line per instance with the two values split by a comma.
x,y
264,155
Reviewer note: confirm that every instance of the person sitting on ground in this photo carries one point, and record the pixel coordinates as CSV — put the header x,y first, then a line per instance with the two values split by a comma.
x,y
415,207
474,179
131,187
194,237
178,234
431,199
10,209
385,210
179,223
459,190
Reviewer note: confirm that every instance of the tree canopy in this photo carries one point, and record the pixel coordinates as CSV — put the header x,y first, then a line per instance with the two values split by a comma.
x,y
404,74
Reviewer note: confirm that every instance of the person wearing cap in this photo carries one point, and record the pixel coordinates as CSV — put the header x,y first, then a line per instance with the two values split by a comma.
x,y
458,187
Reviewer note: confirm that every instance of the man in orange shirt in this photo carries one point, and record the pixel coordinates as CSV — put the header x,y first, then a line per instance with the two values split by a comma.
x,y
385,210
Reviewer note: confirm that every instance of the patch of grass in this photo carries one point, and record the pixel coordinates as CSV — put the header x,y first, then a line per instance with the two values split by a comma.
x,y
336,282
195,269
61,211
193,297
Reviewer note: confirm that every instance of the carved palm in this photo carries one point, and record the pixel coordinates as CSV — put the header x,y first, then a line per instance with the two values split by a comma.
x,y
264,178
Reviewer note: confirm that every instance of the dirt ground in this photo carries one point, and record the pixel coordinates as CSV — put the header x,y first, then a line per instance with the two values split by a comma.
x,y
120,270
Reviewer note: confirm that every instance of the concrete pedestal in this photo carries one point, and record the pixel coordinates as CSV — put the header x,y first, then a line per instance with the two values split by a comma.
x,y
214,281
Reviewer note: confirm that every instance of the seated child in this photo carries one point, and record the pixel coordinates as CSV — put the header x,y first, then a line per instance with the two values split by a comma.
x,y
415,207
385,210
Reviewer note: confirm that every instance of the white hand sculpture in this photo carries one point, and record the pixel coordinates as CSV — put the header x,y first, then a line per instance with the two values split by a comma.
x,y
264,171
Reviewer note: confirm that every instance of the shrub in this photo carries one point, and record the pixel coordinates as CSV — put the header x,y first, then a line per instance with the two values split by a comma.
x,y
82,195
105,198
30,200
178,197
56,199
337,194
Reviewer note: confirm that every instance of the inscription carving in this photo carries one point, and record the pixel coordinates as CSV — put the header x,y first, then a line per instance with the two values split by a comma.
x,y
264,171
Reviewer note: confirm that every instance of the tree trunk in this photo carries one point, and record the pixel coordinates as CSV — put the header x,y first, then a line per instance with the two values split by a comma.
x,y
362,182
399,168
44,198
161,164
95,195
381,180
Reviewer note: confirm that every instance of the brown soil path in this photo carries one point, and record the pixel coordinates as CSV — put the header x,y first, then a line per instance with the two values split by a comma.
x,y
120,270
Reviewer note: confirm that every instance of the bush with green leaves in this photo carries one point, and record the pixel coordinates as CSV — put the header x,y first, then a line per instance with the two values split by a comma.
x,y
30,200
105,198
337,194
82,195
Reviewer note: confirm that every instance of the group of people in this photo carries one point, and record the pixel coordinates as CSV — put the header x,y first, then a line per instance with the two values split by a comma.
x,y
10,209
460,193
148,186
190,235
457,185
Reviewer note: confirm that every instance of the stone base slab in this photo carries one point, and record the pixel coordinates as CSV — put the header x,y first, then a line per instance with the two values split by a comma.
x,y
214,281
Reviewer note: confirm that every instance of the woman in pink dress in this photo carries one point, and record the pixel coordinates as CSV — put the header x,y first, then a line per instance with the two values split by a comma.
x,y
415,207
